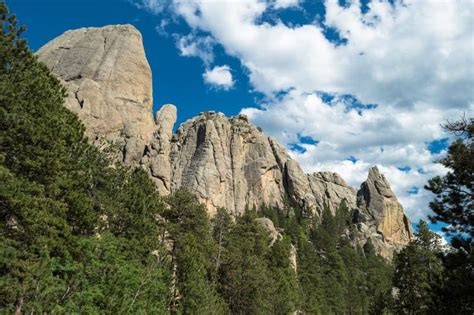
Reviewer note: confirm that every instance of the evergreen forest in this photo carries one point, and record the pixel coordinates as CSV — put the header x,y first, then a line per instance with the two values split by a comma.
x,y
83,234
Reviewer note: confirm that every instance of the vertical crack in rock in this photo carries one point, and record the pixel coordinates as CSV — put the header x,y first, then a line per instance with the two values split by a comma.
x,y
79,101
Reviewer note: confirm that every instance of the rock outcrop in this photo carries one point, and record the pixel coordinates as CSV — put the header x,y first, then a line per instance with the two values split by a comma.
x,y
379,216
230,164
109,85
156,158
227,162
270,228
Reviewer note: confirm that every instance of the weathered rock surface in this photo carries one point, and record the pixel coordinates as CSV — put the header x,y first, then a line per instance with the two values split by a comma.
x,y
108,78
379,216
156,158
230,164
227,162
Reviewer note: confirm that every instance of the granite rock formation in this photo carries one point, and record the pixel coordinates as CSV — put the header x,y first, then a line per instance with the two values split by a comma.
x,y
379,216
109,85
226,161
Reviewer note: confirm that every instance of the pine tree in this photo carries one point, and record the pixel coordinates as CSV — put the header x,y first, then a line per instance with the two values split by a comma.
x,y
39,139
245,280
286,298
334,283
454,201
418,273
310,278
77,235
221,227
325,236
356,298
194,292
454,205
199,294
378,281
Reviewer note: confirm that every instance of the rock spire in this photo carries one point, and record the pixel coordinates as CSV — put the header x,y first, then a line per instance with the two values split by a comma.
x,y
226,161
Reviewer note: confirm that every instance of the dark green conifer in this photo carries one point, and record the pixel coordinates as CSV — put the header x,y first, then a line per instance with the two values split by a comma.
x,y
77,235
418,273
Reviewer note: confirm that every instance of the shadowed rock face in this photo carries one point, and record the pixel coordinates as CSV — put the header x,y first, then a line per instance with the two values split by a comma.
x,y
226,161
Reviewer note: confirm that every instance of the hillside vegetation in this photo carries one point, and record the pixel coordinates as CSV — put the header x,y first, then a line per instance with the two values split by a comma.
x,y
82,234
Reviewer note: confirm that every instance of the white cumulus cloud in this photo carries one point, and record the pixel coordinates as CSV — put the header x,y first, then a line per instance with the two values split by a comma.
x,y
283,4
413,59
196,46
219,77
152,6
396,54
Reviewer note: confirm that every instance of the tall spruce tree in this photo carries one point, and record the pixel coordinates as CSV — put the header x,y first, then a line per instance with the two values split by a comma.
x,y
76,234
454,206
189,227
418,273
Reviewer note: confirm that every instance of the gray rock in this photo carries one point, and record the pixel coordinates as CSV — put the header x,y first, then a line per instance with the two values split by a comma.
x,y
109,84
157,156
382,216
226,162
331,190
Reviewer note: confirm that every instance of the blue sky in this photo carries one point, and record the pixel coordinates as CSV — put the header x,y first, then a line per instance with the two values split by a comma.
x,y
177,80
343,84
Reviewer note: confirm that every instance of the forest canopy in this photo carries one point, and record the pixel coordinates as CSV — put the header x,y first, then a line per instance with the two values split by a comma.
x,y
82,233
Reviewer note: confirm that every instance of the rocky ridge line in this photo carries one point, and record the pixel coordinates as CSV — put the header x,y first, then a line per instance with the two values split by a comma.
x,y
227,162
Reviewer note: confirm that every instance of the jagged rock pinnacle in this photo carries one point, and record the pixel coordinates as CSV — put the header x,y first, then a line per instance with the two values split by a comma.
x,y
108,78
391,228
226,161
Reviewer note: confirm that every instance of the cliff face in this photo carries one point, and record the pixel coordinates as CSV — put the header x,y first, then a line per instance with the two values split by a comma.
x,y
109,84
379,216
229,163
226,162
